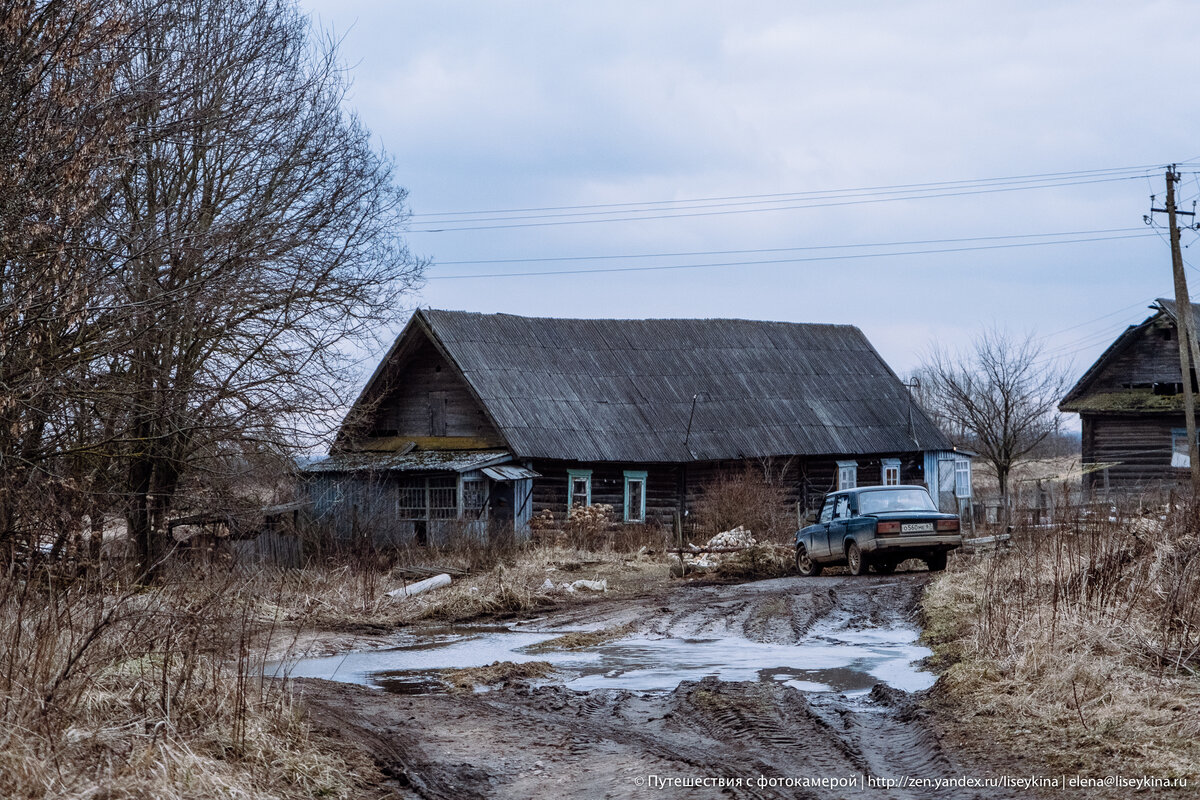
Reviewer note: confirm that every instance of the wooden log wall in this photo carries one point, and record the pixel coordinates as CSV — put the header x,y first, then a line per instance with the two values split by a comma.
x,y
674,487
608,486
1139,448
1151,356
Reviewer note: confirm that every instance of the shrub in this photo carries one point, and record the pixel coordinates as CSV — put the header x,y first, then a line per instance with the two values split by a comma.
x,y
748,498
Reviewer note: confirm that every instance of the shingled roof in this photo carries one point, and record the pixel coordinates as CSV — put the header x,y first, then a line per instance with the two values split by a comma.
x,y
1172,310
622,390
1079,397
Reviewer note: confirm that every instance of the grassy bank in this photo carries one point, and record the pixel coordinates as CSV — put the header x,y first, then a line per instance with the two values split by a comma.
x,y
1078,649
114,690
109,689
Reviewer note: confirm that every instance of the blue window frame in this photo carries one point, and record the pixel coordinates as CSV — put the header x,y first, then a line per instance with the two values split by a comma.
x,y
635,496
579,488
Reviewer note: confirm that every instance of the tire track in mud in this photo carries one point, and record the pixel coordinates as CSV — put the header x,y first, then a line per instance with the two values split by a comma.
x,y
548,741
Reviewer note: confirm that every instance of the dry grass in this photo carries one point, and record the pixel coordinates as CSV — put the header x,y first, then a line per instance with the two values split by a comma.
x,y
1080,647
748,498
513,589
118,691
578,640
757,562
112,690
494,673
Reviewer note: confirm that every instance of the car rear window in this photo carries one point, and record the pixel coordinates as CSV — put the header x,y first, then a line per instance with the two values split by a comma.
x,y
895,500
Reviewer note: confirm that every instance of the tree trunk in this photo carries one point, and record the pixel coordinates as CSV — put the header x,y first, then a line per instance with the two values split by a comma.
x,y
1005,505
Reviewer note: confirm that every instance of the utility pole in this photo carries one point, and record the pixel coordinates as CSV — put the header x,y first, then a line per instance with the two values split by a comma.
x,y
1185,324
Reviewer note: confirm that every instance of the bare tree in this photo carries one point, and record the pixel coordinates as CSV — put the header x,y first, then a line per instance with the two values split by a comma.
x,y
258,235
1002,394
63,135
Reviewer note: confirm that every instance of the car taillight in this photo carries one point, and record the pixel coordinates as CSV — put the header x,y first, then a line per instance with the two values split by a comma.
x,y
947,524
887,527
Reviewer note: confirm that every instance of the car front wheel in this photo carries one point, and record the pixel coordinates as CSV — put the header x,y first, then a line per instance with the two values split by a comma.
x,y
804,563
855,560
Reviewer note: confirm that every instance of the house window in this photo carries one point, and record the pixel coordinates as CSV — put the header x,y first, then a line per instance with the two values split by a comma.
x,y
427,498
579,488
891,472
473,496
962,477
847,474
635,496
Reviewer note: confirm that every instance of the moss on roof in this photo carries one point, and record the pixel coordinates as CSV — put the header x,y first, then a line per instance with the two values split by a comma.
x,y
1127,400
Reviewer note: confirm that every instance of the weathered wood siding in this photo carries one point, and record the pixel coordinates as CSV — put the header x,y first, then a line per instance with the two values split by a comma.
x,y
432,405
608,486
1138,448
674,487
808,480
1150,356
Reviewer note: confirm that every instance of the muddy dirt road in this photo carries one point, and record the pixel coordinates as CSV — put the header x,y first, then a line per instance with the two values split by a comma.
x,y
702,738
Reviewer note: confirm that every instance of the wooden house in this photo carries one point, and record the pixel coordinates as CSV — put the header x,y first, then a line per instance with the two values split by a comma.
x,y
496,417
1130,404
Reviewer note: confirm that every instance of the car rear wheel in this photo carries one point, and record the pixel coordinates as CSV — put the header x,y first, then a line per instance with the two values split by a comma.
x,y
855,560
804,564
936,561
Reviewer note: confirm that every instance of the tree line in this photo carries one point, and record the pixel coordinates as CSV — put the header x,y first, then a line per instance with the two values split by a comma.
x,y
194,234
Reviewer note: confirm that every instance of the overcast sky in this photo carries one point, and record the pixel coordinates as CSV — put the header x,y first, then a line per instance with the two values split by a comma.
x,y
492,106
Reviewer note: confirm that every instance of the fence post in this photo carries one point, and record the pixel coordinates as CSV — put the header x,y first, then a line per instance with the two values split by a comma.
x,y
679,539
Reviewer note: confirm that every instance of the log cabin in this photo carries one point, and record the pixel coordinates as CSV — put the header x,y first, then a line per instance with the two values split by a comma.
x,y
1130,405
493,418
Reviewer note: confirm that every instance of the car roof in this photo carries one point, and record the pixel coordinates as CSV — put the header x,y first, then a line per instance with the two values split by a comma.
x,y
861,489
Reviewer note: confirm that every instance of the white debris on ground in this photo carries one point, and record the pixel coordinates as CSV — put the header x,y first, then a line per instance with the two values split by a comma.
x,y
548,586
420,586
735,537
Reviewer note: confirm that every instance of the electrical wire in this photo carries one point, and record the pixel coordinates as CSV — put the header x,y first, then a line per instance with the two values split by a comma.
x,y
760,262
783,249
526,223
866,189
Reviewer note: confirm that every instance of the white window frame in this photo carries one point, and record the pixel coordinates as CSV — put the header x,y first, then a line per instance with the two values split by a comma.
x,y
632,475
962,477
576,475
847,475
891,465
1180,457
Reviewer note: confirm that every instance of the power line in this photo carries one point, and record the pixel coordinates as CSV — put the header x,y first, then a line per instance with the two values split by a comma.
x,y
969,181
807,196
852,256
848,202
1130,307
783,249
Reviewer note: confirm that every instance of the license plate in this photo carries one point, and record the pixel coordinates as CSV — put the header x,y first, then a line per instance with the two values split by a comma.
x,y
917,527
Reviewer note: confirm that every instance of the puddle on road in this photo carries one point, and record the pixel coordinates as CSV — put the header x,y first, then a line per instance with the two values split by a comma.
x,y
831,658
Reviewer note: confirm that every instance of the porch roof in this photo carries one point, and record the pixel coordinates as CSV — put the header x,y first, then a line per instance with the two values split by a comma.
x,y
411,461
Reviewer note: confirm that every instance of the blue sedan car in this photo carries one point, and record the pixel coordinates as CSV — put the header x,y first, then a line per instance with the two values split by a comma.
x,y
877,527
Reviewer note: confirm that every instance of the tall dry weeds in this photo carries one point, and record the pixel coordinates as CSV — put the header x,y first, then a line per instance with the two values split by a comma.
x,y
1088,628
112,689
748,498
